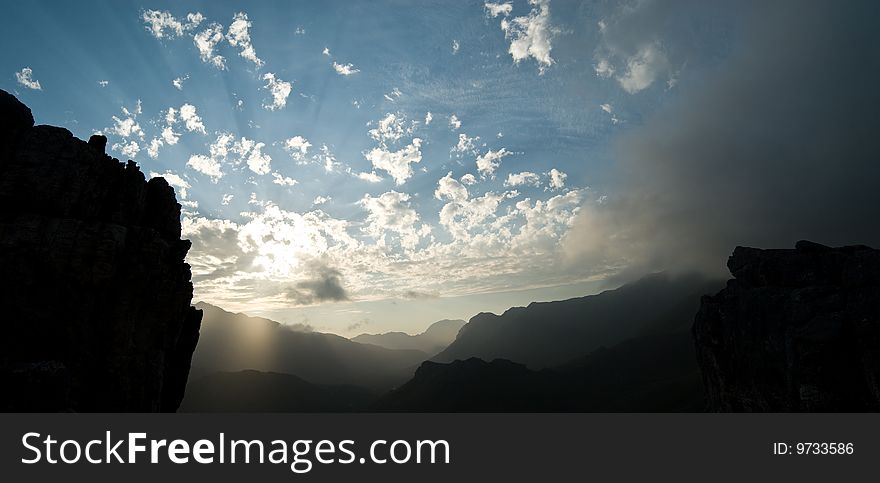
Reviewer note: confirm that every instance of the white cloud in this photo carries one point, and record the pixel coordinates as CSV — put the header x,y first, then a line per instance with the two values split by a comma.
x,y
496,9
345,69
130,149
462,216
489,162
327,159
181,185
428,118
279,90
153,148
557,178
162,24
191,119
249,152
283,180
454,122
178,82
643,68
469,179
371,177
523,178
25,78
206,41
103,83
393,95
128,126
320,200
455,46
298,147
604,68
531,35
169,136
391,128
448,188
206,165
391,212
396,163
466,145
238,35
326,51
607,108
226,199
257,161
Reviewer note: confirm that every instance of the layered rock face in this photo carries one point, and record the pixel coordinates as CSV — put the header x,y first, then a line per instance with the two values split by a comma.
x,y
795,330
94,290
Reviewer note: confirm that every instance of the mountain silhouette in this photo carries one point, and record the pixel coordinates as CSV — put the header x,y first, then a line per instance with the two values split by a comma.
x,y
254,391
794,330
653,373
233,342
433,340
548,334
93,284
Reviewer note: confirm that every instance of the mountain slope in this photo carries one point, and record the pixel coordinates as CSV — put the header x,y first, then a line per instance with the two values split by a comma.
x,y
657,373
433,340
234,342
548,334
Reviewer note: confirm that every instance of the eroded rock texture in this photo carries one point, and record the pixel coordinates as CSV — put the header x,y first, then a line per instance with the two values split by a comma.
x,y
94,290
795,330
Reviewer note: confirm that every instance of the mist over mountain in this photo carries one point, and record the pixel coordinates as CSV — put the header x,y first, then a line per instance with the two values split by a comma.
x,y
547,334
234,342
433,340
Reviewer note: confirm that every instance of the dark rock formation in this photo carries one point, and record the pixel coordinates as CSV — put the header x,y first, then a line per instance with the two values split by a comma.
x,y
270,392
93,285
795,330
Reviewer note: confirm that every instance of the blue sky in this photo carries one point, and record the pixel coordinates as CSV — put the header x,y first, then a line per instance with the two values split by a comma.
x,y
390,218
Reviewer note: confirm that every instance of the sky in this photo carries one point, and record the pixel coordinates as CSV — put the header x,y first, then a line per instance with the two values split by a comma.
x,y
374,166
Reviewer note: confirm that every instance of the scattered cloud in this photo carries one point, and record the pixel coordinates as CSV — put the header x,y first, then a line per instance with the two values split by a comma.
x,y
454,122
103,83
345,69
557,179
238,35
25,78
278,179
490,161
178,82
525,178
161,24
206,42
396,163
278,89
298,147
530,35
391,213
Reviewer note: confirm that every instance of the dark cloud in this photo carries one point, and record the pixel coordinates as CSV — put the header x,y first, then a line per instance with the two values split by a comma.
x,y
323,285
779,143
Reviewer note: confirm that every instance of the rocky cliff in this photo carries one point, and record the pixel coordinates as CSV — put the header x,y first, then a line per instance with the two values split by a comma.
x,y
94,290
795,330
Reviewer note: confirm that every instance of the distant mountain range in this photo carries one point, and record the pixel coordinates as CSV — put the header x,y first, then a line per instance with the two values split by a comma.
x,y
231,342
433,340
657,373
549,334
627,349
